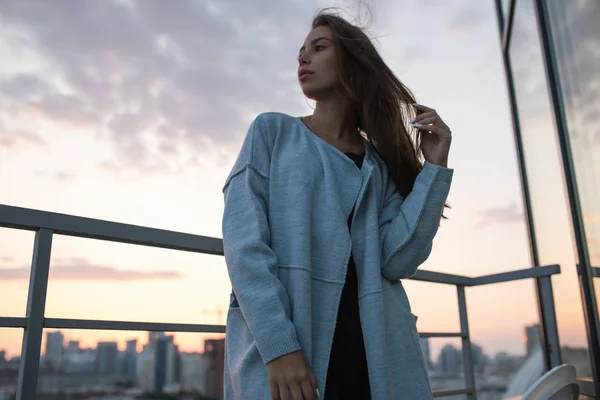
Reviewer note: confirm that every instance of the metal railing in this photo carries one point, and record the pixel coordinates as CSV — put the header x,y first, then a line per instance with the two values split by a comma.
x,y
46,224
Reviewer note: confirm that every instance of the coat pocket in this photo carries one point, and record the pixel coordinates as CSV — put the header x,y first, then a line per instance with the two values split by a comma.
x,y
245,371
234,308
421,374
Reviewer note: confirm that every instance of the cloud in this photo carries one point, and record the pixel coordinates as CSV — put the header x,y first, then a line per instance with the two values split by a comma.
x,y
24,86
500,215
158,79
163,82
467,18
64,176
60,175
81,270
12,139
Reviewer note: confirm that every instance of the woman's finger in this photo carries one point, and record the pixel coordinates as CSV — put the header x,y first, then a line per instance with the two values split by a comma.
x,y
429,120
422,116
284,392
307,390
275,391
432,128
424,125
422,107
296,391
313,382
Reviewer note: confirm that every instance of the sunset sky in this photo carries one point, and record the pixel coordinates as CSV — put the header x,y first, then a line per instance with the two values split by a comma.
x,y
134,112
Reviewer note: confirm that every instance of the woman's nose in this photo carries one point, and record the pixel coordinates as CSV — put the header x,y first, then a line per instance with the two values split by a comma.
x,y
303,59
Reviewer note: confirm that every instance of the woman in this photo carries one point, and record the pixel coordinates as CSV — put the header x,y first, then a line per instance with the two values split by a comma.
x,y
324,215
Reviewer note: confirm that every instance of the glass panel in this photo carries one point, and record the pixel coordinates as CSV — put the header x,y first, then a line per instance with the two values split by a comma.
x,y
505,4
509,358
150,284
10,358
550,207
116,363
445,362
577,23
435,305
15,265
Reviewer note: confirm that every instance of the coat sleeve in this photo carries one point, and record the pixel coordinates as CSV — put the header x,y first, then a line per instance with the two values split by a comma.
x,y
407,226
251,263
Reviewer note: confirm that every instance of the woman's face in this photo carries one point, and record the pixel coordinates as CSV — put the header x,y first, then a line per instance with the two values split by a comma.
x,y
318,67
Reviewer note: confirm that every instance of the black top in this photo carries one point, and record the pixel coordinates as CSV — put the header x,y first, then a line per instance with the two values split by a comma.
x,y
347,377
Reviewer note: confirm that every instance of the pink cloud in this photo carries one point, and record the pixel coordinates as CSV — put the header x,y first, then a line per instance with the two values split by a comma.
x,y
80,269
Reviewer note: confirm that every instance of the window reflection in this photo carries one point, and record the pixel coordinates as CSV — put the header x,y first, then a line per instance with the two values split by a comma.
x,y
576,37
550,207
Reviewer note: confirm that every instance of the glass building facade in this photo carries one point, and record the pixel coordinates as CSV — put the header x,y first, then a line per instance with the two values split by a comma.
x,y
551,51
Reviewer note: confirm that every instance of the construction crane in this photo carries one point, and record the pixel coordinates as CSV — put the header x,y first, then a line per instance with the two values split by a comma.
x,y
218,312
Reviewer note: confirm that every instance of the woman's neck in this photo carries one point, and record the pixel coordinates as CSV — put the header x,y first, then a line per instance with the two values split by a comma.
x,y
329,119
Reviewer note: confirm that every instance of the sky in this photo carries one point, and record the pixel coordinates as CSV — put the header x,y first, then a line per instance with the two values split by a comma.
x,y
134,112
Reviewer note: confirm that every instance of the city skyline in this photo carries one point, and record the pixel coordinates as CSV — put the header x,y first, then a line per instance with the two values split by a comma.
x,y
135,113
50,354
159,365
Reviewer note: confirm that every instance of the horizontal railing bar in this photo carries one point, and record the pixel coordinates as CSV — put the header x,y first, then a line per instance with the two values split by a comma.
x,y
441,334
586,387
441,277
534,272
61,323
596,272
70,225
451,392
13,322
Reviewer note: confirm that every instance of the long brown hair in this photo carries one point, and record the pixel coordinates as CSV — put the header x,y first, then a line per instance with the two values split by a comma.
x,y
380,105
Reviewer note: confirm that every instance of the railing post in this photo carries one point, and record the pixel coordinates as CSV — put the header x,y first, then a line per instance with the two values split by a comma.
x,y
549,328
467,354
36,304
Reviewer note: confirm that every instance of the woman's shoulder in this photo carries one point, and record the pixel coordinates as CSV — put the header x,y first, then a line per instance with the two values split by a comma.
x,y
275,120
275,126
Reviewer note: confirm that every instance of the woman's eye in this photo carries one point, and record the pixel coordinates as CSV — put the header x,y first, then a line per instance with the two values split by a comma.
x,y
318,48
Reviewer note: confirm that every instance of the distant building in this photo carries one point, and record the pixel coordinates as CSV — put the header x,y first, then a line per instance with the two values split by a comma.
x,y
153,338
450,359
426,352
214,351
54,348
80,362
129,362
478,356
166,369
107,359
146,366
2,356
73,346
533,338
194,368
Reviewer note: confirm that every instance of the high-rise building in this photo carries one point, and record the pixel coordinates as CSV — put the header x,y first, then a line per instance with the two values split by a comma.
x,y
532,338
107,359
54,348
73,346
153,338
194,368
450,359
129,360
146,367
214,351
165,372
